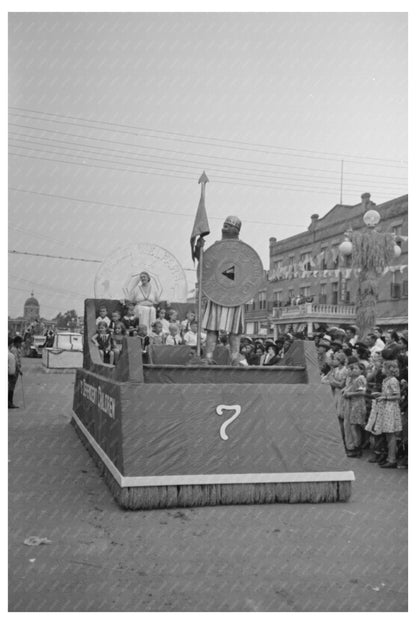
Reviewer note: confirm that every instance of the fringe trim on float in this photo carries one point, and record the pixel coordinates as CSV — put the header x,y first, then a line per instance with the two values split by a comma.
x,y
167,496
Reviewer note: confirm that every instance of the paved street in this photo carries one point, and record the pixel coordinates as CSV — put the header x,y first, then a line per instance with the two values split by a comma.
x,y
335,557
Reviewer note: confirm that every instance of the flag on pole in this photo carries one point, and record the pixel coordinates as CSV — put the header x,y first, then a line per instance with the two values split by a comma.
x,y
201,226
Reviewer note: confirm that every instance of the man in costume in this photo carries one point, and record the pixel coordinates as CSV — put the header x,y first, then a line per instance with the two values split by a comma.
x,y
224,318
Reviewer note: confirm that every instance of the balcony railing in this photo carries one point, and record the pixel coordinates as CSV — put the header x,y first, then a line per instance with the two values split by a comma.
x,y
313,309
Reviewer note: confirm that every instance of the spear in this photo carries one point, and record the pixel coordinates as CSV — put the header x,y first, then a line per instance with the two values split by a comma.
x,y
201,229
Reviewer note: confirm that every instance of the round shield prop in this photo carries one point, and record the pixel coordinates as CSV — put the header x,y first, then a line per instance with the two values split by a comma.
x,y
231,272
120,271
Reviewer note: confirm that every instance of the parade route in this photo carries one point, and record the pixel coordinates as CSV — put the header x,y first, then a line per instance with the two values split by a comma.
x,y
330,557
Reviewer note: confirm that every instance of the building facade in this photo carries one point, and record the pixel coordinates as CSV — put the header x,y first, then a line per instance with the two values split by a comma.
x,y
311,285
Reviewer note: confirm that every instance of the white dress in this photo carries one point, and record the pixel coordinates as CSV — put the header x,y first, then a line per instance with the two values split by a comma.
x,y
145,298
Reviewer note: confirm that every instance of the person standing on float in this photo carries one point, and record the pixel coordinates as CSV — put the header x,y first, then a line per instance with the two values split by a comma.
x,y
217,317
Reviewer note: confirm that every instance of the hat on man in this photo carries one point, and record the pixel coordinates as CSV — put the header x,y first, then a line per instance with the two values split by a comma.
x,y
324,343
337,343
234,221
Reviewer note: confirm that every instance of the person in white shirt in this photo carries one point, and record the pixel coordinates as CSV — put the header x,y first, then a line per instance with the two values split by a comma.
x,y
174,337
190,337
103,316
375,345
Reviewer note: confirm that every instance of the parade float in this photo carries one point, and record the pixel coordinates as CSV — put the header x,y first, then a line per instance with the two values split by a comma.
x,y
175,431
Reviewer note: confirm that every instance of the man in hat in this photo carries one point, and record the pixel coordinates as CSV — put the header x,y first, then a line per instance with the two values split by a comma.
x,y
323,357
217,317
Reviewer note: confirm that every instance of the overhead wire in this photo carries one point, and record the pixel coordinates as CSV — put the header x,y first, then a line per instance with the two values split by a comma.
x,y
185,137
132,155
45,255
205,156
153,170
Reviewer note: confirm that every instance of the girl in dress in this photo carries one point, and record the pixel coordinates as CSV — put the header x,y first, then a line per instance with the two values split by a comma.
x,y
102,339
385,413
353,407
118,335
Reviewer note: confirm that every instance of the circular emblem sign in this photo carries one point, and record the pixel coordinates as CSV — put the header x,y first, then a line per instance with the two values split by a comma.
x,y
121,269
231,272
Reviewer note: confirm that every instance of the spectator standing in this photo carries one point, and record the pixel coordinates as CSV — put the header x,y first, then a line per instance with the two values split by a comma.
x,y
354,408
385,413
12,375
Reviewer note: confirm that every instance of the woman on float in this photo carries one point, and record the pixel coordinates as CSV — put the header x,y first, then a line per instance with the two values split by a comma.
x,y
144,294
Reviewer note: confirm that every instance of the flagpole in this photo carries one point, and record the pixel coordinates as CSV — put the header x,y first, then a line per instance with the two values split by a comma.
x,y
200,229
199,319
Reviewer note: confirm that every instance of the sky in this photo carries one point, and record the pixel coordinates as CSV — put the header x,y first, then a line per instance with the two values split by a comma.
x,y
114,116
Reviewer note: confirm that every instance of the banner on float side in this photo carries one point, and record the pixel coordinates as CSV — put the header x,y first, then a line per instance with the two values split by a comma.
x,y
173,432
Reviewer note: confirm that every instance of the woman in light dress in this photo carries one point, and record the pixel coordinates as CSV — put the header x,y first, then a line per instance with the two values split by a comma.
x,y
145,295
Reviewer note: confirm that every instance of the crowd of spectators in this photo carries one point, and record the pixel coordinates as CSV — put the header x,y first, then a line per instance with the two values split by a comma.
x,y
369,381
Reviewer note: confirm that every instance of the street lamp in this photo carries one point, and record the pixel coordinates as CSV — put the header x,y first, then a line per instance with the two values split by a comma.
x,y
370,251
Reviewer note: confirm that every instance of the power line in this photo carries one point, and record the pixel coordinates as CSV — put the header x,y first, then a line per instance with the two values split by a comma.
x,y
110,205
27,253
184,137
42,236
43,255
205,156
56,290
239,170
219,179
187,168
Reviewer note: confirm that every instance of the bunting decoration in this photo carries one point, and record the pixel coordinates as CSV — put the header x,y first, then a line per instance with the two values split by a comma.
x,y
283,273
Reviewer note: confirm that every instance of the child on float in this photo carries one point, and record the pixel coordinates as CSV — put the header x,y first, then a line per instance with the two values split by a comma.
x,y
161,316
186,324
190,337
385,415
353,407
336,378
174,337
130,320
117,340
103,316
102,339
173,319
115,319
156,336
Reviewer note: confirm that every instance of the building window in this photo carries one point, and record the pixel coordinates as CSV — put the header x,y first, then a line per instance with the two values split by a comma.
x,y
277,264
347,297
405,288
291,294
324,258
277,298
334,293
262,301
395,286
322,294
248,304
305,259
